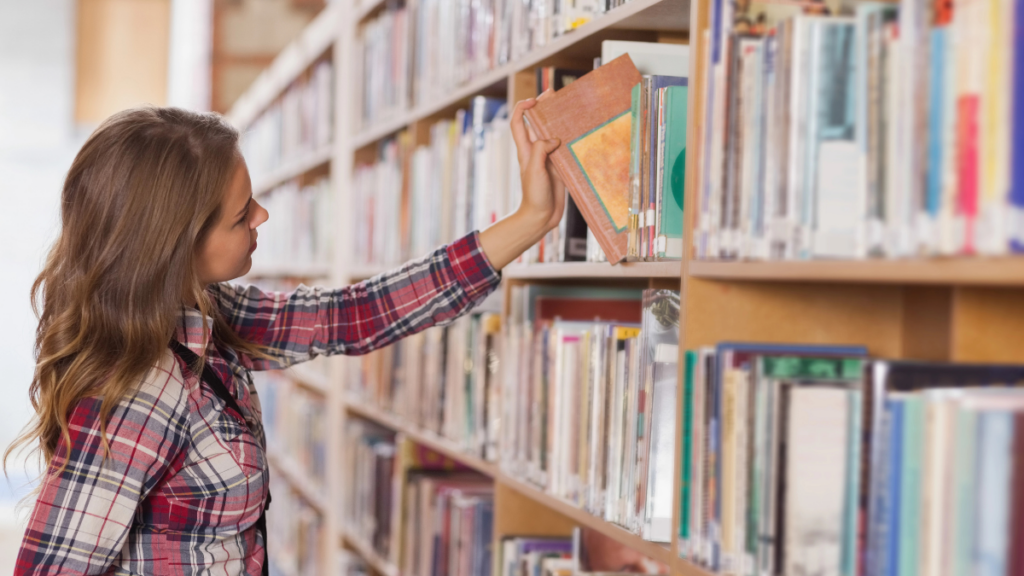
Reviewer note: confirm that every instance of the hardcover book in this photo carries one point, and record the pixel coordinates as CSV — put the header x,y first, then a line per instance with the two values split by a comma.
x,y
591,118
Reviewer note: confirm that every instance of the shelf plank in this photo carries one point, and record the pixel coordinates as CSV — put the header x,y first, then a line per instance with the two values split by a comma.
x,y
296,477
360,273
366,8
293,169
634,15
953,271
670,269
308,378
367,553
289,271
430,440
653,550
314,41
582,517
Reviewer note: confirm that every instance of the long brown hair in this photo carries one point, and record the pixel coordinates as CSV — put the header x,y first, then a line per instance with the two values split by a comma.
x,y
140,198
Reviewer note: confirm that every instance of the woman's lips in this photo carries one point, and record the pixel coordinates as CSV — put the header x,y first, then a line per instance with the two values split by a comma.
x,y
252,248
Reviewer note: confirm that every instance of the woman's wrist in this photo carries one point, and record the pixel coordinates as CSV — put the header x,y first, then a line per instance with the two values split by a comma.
x,y
505,240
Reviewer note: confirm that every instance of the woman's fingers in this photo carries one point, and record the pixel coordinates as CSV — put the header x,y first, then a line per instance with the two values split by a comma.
x,y
519,132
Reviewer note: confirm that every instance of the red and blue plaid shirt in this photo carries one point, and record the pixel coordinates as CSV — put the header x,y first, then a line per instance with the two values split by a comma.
x,y
186,480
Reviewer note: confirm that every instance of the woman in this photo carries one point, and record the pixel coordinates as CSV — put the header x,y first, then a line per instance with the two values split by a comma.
x,y
147,418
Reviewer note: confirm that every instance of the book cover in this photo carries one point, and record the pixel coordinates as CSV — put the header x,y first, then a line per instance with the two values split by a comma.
x,y
591,118
995,442
1016,208
673,175
651,193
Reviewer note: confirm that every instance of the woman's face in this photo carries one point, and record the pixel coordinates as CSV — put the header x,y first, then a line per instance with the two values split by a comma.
x,y
227,252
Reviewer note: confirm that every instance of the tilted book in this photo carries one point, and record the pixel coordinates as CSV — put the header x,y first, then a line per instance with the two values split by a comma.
x,y
591,118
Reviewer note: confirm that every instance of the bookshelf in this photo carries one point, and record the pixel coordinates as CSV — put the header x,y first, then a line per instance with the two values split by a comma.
x,y
948,309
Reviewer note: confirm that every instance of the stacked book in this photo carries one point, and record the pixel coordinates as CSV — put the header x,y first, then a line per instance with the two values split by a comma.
x,y
449,524
295,424
586,552
816,459
296,124
443,380
294,532
589,397
623,152
371,507
884,131
301,226
386,59
413,199
416,56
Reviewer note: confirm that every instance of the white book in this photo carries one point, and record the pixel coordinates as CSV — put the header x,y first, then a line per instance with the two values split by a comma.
x,y
650,58
815,474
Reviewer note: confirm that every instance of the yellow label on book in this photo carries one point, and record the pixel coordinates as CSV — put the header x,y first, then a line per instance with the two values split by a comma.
x,y
603,157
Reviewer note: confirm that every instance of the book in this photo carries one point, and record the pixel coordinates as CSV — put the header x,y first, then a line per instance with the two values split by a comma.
x,y
672,174
590,117
650,58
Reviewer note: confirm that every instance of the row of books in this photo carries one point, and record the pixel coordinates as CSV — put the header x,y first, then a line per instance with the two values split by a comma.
x,y
301,225
298,123
370,508
295,423
657,168
417,54
442,380
589,400
804,459
887,130
586,552
466,176
385,44
449,524
294,533
412,199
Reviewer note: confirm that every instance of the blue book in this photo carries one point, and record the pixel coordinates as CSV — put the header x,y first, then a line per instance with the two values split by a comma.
x,y
1017,138
995,454
936,121
894,497
877,551
910,486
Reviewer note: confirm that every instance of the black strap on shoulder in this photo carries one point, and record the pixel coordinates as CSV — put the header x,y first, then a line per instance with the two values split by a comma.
x,y
210,378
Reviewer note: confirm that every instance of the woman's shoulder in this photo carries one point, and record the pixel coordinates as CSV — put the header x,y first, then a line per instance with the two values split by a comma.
x,y
166,386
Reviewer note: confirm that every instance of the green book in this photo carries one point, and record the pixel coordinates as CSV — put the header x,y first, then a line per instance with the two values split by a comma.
x,y
672,172
687,454
964,470
910,486
851,511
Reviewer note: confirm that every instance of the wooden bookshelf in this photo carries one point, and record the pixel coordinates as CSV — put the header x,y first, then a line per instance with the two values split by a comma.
x,y
943,309
293,169
445,447
283,464
1007,271
284,270
310,379
367,553
315,41
670,269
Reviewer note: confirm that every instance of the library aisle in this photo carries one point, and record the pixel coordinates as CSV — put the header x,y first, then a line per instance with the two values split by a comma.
x,y
774,332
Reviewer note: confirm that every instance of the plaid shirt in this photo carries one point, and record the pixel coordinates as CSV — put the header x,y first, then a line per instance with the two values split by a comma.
x,y
186,480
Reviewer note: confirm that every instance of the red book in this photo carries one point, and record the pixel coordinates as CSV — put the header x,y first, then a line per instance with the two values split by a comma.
x,y
591,118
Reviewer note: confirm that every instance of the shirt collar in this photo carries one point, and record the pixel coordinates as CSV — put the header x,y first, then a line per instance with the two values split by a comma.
x,y
191,332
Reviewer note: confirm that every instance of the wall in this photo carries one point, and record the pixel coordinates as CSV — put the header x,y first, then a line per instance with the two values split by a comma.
x,y
37,142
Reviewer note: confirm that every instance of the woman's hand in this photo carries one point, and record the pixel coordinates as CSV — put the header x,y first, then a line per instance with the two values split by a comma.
x,y
543,191
543,199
